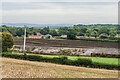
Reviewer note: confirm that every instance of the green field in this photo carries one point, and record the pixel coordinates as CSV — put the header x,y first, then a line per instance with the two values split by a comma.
x,y
94,59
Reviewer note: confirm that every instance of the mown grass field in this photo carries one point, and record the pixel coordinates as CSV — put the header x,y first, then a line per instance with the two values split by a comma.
x,y
94,59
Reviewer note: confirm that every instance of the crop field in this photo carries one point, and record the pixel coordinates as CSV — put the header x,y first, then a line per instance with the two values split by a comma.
x,y
66,43
14,68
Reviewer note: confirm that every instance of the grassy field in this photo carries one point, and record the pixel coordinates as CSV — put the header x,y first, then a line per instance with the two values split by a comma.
x,y
14,68
94,59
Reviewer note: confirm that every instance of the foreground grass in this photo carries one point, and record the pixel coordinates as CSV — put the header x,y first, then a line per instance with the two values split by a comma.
x,y
94,59
14,68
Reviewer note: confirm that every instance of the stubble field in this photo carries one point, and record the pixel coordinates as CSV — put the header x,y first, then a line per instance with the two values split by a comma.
x,y
14,68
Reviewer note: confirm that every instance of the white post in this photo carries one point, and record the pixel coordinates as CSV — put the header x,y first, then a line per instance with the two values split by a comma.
x,y
24,40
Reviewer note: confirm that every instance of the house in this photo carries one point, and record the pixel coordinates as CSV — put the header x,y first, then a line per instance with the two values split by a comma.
x,y
47,36
35,37
40,36
63,36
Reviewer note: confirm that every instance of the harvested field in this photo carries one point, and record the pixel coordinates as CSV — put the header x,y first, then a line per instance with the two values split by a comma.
x,y
14,68
66,43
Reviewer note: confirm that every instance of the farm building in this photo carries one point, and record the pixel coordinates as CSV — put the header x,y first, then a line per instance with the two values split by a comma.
x,y
40,36
63,36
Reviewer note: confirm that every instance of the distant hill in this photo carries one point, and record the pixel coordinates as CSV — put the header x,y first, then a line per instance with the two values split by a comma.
x,y
37,25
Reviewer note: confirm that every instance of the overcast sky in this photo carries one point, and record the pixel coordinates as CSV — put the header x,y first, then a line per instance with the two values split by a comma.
x,y
56,12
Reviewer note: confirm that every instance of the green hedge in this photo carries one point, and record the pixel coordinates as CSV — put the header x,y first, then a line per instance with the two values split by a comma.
x,y
85,62
100,40
105,55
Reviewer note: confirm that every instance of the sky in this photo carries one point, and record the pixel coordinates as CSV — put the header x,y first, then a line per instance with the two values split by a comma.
x,y
60,11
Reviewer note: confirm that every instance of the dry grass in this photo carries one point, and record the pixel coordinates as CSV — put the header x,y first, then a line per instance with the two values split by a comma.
x,y
14,68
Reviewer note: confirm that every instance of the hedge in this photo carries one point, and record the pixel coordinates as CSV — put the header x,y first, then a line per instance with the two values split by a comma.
x,y
105,55
62,60
100,40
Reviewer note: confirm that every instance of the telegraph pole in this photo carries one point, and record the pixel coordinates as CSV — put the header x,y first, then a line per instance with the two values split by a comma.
x,y
24,40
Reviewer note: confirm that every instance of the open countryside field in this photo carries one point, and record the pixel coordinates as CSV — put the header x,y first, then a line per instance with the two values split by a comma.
x,y
14,68
66,43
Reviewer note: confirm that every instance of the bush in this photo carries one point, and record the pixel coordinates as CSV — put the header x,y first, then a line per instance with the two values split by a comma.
x,y
103,55
83,62
110,56
103,36
93,55
7,41
105,66
117,56
65,51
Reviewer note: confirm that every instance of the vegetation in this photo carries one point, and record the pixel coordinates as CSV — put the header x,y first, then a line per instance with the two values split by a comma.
x,y
108,33
7,41
105,55
101,31
63,60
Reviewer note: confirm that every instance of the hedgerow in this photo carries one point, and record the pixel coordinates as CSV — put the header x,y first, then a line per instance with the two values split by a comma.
x,y
62,60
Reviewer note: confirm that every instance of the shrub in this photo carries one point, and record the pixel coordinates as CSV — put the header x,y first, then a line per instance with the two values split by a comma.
x,y
117,56
83,62
63,57
33,49
105,66
103,36
103,55
110,56
17,47
93,54
65,51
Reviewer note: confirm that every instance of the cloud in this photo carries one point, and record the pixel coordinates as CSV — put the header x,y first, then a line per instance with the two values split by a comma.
x,y
60,13
60,0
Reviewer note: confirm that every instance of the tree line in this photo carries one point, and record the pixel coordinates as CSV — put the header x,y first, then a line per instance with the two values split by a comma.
x,y
103,31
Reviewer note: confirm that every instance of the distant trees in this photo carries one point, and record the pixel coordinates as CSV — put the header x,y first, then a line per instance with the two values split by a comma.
x,y
96,30
95,34
71,34
104,30
103,36
54,33
63,30
88,32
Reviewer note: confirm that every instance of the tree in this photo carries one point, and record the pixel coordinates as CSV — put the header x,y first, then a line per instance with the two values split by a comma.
x,y
45,30
71,34
113,32
63,30
83,31
88,32
104,30
20,32
7,41
54,33
103,36
95,34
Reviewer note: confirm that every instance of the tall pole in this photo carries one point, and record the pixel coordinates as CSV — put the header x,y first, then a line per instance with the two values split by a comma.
x,y
24,40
